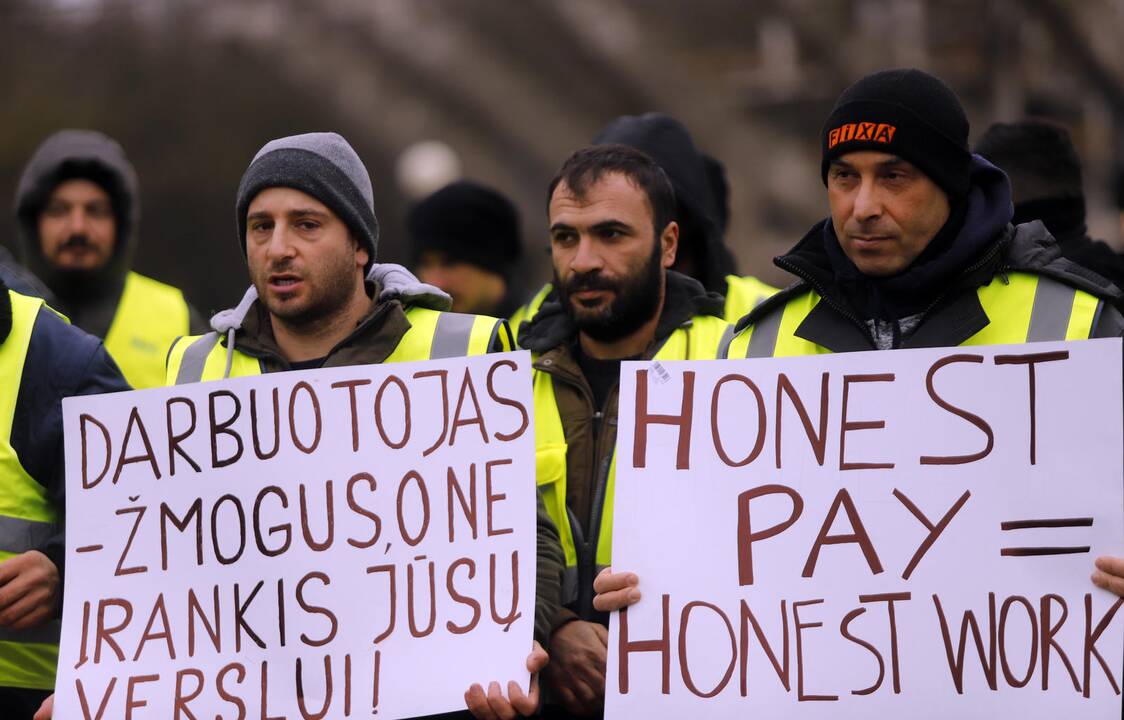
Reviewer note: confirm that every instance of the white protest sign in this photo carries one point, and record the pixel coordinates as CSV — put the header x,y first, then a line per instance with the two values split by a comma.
x,y
882,534
346,542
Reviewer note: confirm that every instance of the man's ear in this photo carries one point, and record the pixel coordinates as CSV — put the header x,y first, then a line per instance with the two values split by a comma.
x,y
362,254
669,244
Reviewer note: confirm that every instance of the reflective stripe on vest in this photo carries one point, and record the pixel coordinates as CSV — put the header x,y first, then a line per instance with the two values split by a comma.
x,y
432,335
1025,308
27,518
697,340
743,294
149,318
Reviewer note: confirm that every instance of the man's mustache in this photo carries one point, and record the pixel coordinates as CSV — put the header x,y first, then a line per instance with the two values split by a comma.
x,y
77,241
589,281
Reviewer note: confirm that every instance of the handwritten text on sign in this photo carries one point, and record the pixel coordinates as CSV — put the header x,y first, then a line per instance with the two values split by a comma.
x,y
333,543
856,535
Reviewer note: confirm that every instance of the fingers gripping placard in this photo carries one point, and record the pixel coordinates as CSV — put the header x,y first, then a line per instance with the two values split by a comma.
x,y
874,533
350,542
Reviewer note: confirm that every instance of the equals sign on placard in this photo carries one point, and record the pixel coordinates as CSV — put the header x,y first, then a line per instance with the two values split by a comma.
x,y
1046,523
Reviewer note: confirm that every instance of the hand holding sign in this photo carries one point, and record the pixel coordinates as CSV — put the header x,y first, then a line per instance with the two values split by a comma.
x,y
494,706
615,590
29,590
577,673
46,711
1109,574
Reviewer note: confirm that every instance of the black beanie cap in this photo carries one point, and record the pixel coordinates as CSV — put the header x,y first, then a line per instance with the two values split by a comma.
x,y
908,113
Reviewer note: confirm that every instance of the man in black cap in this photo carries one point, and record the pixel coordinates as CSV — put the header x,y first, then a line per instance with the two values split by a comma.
x,y
1045,172
465,240
919,251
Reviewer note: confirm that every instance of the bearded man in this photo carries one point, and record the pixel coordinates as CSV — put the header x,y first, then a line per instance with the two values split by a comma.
x,y
612,241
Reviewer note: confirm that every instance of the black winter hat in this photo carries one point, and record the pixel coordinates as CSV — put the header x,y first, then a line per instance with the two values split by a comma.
x,y
470,223
908,113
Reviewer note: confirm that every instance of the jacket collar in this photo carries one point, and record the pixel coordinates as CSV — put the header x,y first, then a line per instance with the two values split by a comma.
x,y
554,338
372,341
957,314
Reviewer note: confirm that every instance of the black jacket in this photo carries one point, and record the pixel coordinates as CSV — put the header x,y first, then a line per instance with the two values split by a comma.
x,y
984,246
956,314
62,361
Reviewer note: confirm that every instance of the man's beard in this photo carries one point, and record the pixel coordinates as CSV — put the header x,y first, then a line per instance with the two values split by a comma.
x,y
326,295
635,300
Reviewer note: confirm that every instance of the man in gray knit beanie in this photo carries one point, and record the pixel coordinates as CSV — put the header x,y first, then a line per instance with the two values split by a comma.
x,y
306,222
324,166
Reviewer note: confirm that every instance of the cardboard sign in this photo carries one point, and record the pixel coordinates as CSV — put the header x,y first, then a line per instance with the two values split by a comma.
x,y
883,534
335,543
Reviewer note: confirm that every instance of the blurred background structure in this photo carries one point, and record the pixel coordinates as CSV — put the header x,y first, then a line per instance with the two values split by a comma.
x,y
501,91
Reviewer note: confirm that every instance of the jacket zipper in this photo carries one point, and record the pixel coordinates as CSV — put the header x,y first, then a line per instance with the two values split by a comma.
x,y
846,312
586,543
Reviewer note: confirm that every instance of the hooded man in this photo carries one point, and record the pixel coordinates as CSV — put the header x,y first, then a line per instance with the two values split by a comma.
x,y
465,240
306,222
918,252
42,360
613,240
700,211
1045,173
77,207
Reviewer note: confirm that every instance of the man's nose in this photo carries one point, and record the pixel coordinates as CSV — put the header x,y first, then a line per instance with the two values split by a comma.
x,y
586,258
868,201
78,221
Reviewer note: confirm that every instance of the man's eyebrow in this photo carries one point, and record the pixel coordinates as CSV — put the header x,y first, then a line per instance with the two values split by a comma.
x,y
259,215
307,212
560,226
612,225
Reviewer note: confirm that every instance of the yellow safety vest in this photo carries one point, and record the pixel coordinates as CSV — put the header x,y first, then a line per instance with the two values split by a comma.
x,y
1023,307
432,335
743,293
528,311
697,340
150,316
27,517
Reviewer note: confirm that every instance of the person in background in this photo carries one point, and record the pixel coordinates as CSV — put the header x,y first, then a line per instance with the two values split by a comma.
x,y
1045,173
77,207
701,212
465,240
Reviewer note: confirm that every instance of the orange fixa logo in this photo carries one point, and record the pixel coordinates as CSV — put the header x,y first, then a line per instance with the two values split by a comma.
x,y
868,131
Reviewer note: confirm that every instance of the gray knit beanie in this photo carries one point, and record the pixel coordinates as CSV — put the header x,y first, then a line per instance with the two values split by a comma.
x,y
322,165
